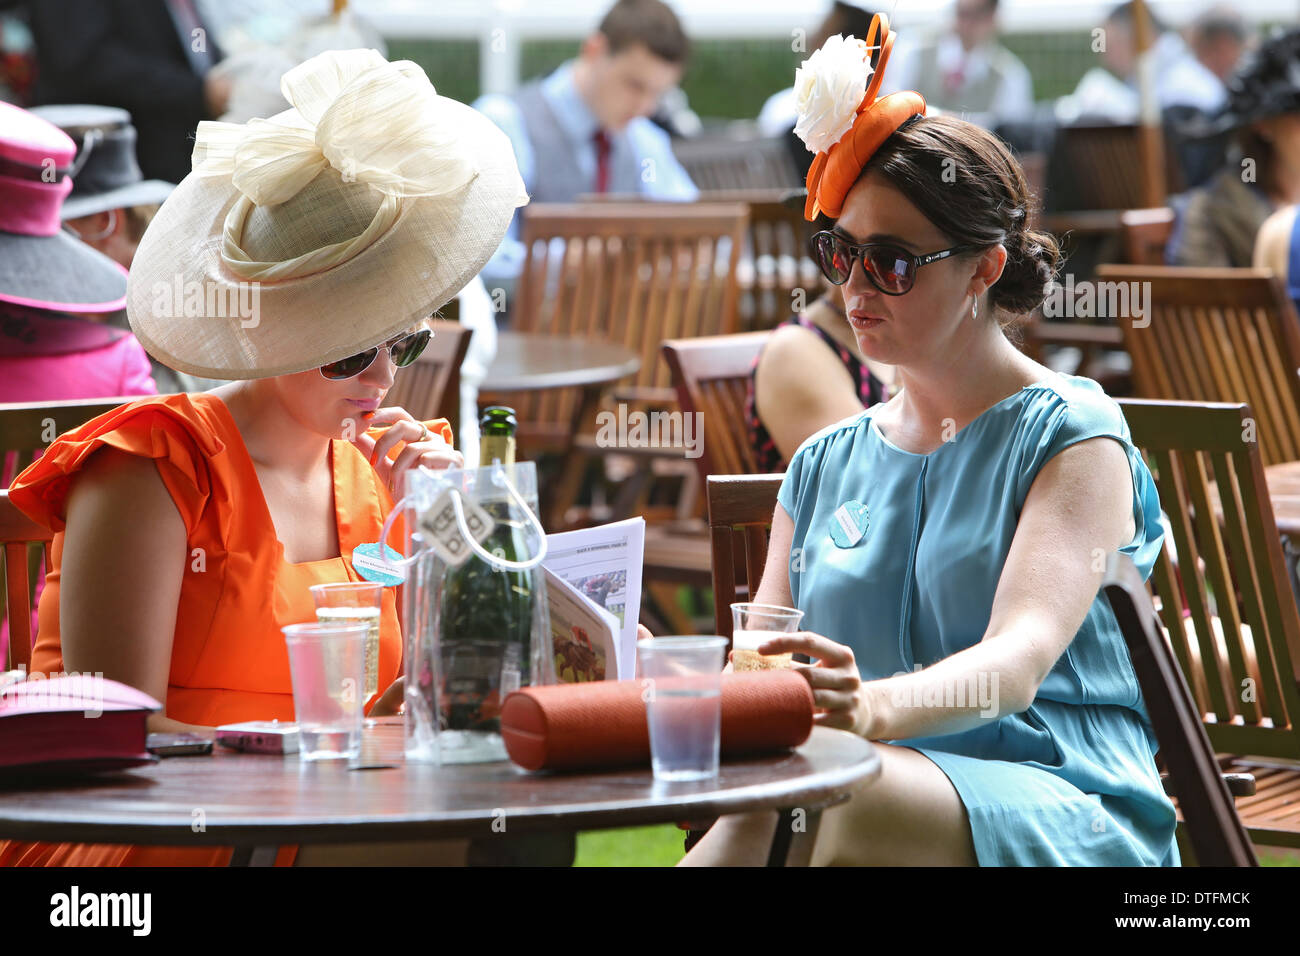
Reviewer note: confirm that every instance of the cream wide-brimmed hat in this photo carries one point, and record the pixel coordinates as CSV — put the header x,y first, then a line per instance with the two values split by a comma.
x,y
324,230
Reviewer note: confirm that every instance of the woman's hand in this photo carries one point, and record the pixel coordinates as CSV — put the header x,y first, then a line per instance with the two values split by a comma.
x,y
834,679
433,452
390,703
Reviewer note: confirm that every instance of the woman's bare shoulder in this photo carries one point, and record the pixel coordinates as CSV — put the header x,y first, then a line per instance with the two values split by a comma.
x,y
113,481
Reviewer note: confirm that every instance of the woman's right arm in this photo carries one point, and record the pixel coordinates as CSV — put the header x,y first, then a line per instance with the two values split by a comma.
x,y
125,552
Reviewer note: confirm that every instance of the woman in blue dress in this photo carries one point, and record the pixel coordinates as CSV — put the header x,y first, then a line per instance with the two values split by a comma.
x,y
947,546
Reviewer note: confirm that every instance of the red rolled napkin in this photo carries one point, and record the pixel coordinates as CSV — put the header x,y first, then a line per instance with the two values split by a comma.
x,y
603,723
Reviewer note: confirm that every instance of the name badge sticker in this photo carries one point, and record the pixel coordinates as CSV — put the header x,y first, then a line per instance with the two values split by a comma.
x,y
849,524
367,563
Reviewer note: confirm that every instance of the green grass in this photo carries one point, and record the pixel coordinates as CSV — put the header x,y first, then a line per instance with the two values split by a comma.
x,y
639,846
662,846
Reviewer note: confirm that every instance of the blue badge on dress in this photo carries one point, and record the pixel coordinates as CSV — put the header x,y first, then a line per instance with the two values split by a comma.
x,y
367,563
849,523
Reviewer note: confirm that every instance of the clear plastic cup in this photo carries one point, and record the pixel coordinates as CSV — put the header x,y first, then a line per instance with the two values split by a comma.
x,y
682,687
354,602
327,662
754,625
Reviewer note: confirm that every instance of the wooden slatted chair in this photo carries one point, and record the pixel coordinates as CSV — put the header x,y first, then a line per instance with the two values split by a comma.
x,y
1145,234
1234,626
723,163
1219,335
1212,826
25,431
430,387
28,427
17,534
711,375
635,274
775,260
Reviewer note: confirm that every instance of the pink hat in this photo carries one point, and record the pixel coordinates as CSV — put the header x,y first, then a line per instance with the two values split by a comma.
x,y
41,266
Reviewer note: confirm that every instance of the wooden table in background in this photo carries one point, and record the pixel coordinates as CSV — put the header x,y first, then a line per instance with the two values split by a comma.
x,y
529,361
256,802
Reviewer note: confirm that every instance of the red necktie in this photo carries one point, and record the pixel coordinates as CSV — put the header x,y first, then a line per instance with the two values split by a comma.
x,y
601,139
952,81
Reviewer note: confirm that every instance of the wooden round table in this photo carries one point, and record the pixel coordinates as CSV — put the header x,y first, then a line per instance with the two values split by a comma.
x,y
255,802
529,361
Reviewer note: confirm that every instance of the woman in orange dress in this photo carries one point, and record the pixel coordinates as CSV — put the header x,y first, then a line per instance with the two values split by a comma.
x,y
300,259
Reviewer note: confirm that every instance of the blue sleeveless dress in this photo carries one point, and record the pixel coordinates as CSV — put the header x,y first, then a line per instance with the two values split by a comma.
x,y
906,575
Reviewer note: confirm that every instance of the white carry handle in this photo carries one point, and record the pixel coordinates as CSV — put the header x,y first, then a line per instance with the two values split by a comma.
x,y
497,562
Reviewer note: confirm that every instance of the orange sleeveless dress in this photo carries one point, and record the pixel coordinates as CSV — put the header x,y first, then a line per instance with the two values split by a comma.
x,y
229,661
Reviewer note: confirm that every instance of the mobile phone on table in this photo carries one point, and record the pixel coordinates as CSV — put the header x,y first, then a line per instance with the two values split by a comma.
x,y
178,745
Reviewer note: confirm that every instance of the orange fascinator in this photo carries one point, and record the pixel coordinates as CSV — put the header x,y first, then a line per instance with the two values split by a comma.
x,y
839,121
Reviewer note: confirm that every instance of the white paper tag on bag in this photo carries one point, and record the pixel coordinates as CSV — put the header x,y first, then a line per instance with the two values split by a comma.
x,y
439,525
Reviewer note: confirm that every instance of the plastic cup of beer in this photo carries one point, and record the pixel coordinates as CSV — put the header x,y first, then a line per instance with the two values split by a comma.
x,y
326,662
755,624
354,602
681,681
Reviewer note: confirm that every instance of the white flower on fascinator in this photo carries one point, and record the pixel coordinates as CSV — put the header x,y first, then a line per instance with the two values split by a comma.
x,y
828,89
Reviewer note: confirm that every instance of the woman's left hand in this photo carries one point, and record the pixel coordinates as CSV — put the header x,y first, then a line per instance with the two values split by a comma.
x,y
432,452
834,679
390,703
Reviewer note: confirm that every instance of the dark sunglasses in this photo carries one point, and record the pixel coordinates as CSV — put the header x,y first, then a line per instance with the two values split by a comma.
x,y
891,269
403,352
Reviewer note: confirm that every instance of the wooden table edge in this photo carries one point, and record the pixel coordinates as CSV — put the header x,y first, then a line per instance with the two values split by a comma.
x,y
825,789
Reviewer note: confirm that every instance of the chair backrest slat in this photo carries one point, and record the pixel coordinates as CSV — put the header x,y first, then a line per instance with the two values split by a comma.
x,y
1242,646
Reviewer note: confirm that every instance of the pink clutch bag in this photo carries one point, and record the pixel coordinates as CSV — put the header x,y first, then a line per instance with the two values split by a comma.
x,y
72,725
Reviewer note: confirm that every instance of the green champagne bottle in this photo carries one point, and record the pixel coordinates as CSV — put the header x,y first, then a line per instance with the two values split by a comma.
x,y
487,613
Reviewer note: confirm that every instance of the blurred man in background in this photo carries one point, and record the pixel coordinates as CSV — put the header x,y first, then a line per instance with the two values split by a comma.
x,y
1219,37
966,71
584,128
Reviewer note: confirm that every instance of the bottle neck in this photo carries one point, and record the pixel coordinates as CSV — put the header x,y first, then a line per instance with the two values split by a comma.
x,y
496,448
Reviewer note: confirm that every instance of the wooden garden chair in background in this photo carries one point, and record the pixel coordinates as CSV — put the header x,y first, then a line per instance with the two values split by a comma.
x,y
1211,825
711,375
1219,335
634,274
1145,235
26,428
717,163
17,534
775,260
1229,615
430,387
